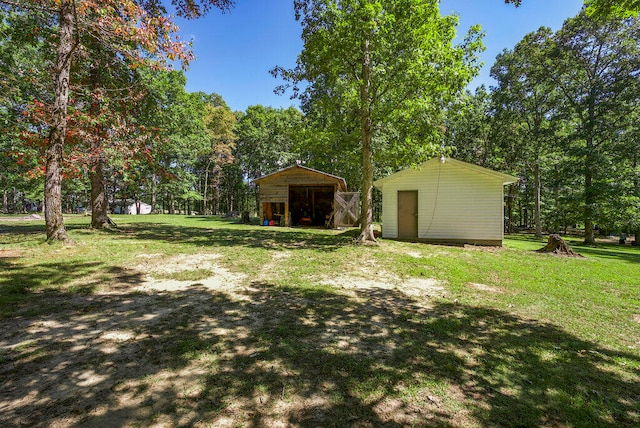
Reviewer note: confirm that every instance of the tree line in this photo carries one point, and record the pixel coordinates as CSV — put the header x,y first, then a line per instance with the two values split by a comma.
x,y
563,116
80,67
383,90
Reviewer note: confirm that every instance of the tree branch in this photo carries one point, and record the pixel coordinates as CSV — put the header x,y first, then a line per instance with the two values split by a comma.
x,y
21,5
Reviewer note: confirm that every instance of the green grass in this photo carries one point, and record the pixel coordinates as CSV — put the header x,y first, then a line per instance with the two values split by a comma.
x,y
318,331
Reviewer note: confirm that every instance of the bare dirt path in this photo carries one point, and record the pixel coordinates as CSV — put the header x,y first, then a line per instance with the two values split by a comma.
x,y
168,352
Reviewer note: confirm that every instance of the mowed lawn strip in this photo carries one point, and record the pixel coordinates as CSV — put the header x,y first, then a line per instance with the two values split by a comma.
x,y
192,320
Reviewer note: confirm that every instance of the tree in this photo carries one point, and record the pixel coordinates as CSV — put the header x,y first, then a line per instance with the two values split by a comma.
x,y
138,31
380,60
22,67
219,122
267,139
612,8
178,120
595,67
526,96
604,8
469,127
103,119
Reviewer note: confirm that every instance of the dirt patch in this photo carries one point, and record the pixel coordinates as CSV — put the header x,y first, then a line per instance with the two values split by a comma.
x,y
222,351
156,266
9,254
157,263
30,217
414,254
414,287
483,248
280,255
484,287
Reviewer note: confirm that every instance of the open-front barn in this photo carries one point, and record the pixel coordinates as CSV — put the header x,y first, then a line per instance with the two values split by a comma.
x,y
301,196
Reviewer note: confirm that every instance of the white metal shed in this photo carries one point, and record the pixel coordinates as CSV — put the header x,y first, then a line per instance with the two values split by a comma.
x,y
444,201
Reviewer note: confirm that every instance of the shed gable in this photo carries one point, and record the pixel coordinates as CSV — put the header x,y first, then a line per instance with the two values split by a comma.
x,y
301,176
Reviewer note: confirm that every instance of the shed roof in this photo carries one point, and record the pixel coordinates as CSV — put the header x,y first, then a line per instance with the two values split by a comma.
x,y
505,178
342,184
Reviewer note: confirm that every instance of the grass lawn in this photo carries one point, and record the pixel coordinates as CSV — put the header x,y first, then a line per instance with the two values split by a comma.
x,y
197,321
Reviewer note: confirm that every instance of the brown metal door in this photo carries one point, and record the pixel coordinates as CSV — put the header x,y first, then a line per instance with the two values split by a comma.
x,y
408,214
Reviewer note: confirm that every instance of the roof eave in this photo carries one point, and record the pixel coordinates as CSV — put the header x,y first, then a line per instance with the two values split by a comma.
x,y
506,179
339,179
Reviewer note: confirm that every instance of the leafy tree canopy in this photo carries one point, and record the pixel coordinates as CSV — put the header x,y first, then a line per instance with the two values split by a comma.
x,y
382,63
604,8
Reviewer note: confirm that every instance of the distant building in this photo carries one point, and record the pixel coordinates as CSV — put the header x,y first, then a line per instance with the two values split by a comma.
x,y
144,209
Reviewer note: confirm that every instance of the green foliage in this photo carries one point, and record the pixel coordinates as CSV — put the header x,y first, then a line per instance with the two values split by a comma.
x,y
389,67
595,66
604,8
82,39
469,128
22,71
562,117
194,140
612,8
268,139
524,102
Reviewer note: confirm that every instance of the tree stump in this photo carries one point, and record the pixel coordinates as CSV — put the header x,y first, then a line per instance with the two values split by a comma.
x,y
244,219
556,245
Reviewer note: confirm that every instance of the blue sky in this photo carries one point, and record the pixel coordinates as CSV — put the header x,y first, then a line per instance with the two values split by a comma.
x,y
235,51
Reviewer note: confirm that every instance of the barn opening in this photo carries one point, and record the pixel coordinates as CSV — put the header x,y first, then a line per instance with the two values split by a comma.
x,y
310,205
273,212
306,197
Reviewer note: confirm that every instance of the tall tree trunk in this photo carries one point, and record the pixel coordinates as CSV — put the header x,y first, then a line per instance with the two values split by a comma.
x,y
5,201
589,201
636,185
204,190
154,194
99,206
538,198
366,215
589,164
510,201
53,176
589,193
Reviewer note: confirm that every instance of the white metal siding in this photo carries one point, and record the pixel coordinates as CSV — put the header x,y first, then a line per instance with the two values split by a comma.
x,y
453,203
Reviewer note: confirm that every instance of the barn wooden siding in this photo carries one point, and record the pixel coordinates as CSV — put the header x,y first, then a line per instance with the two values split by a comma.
x,y
457,202
274,188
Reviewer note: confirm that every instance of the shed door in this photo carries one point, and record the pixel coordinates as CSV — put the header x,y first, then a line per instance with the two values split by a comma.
x,y
346,207
408,214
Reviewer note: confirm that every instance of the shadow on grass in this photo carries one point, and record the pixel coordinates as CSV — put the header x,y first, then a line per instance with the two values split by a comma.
x,y
18,283
303,357
231,234
242,236
625,253
31,228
